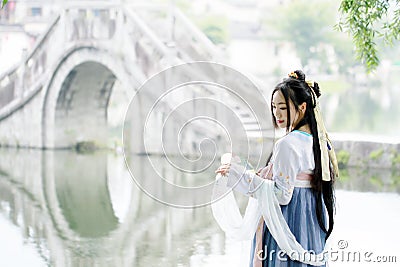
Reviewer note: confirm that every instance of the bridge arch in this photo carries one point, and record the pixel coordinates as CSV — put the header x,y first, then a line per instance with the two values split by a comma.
x,y
77,96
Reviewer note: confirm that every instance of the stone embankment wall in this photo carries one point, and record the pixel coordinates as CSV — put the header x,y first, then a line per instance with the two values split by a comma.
x,y
372,154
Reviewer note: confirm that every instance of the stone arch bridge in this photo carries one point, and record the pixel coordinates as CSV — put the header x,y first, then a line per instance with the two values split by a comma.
x,y
59,94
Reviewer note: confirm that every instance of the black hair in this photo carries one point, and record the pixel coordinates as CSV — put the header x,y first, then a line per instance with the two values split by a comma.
x,y
295,89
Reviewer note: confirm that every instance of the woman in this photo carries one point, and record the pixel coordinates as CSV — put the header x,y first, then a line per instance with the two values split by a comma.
x,y
303,167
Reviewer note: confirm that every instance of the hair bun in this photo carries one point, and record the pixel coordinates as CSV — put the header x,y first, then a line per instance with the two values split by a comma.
x,y
316,89
300,75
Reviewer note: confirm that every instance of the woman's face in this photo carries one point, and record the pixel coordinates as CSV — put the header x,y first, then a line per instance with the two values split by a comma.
x,y
280,109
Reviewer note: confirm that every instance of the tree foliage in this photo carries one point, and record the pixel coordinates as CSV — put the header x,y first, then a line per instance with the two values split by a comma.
x,y
308,25
215,27
305,24
370,21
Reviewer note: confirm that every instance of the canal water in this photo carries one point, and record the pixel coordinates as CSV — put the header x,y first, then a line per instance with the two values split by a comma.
x,y
60,208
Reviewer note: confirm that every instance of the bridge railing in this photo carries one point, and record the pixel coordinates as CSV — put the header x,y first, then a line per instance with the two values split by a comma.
x,y
90,23
191,39
17,83
176,30
149,53
76,25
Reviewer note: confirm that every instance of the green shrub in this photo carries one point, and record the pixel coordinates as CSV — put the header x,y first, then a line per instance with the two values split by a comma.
x,y
396,159
343,157
376,154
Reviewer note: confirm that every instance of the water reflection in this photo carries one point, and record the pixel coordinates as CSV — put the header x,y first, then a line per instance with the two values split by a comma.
x,y
60,208
85,210
369,180
83,195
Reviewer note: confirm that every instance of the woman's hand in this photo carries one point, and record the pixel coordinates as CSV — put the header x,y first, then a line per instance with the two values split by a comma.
x,y
266,172
223,169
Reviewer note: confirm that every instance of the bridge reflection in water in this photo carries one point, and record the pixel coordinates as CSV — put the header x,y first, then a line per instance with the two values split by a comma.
x,y
60,208
85,210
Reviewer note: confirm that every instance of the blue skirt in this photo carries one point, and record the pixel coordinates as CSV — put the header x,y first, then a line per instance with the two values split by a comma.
x,y
302,220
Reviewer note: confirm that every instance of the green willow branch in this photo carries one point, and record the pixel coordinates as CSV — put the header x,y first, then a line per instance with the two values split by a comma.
x,y
368,21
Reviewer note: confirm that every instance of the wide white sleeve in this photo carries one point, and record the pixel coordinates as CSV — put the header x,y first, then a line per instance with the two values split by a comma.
x,y
242,180
285,168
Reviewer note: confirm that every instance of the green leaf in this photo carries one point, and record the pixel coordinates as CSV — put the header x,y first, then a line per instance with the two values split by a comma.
x,y
4,3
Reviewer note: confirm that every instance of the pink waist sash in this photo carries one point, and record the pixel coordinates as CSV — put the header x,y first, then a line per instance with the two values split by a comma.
x,y
303,180
304,176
